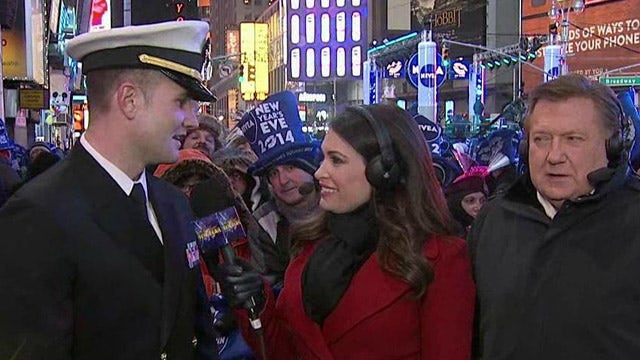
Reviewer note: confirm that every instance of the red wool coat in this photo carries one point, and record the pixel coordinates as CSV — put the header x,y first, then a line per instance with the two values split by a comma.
x,y
377,318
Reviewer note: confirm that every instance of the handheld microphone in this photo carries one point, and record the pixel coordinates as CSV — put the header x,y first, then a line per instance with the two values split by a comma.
x,y
306,188
212,202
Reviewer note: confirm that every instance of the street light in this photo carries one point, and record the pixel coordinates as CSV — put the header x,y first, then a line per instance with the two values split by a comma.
x,y
559,12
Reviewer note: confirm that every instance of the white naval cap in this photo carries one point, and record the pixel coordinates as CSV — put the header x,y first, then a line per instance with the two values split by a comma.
x,y
176,48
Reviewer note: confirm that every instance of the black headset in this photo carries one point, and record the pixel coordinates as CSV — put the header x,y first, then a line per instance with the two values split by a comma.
x,y
617,146
383,172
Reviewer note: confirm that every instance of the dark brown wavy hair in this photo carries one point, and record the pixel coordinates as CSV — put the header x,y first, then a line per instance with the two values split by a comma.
x,y
407,215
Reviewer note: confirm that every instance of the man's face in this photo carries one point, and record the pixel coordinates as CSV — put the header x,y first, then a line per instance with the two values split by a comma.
x,y
163,125
201,140
566,143
285,181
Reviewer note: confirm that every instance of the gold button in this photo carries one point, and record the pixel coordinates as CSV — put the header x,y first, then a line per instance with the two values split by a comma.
x,y
194,341
163,356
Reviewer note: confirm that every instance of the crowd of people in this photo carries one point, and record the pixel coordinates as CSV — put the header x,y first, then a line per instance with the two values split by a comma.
x,y
352,247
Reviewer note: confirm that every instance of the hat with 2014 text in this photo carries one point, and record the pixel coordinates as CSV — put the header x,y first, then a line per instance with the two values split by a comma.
x,y
274,131
177,49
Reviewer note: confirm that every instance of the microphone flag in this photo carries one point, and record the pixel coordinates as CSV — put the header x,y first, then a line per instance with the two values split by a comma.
x,y
219,229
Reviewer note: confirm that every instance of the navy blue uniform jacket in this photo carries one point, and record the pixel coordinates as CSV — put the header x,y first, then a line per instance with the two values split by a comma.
x,y
72,284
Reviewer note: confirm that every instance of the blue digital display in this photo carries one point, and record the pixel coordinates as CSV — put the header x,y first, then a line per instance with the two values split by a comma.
x,y
326,39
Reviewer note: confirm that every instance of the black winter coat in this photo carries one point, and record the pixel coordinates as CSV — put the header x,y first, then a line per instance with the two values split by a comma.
x,y
562,288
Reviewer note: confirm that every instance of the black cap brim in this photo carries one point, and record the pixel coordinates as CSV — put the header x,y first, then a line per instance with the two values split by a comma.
x,y
195,88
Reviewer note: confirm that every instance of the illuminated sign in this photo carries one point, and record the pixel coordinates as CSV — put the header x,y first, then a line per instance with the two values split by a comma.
x,y
179,11
33,99
23,44
54,16
153,11
414,73
326,39
459,70
312,97
261,61
395,69
232,41
254,46
100,18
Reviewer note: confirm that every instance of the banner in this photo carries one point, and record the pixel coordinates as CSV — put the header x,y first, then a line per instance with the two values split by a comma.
x,y
605,36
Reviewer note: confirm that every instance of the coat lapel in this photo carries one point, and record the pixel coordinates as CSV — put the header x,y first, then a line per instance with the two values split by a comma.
x,y
174,255
370,291
362,299
109,205
309,332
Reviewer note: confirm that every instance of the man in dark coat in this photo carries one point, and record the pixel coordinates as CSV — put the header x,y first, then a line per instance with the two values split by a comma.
x,y
556,257
98,259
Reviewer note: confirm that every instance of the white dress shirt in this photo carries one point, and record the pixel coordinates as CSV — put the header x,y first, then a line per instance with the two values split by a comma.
x,y
125,183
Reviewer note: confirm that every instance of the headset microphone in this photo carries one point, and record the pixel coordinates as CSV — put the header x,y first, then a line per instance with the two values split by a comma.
x,y
306,188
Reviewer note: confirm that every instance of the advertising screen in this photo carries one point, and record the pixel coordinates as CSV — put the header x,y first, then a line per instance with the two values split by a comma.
x,y
100,17
326,39
460,20
605,36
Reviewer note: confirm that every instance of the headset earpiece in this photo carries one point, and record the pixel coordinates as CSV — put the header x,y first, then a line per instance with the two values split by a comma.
x,y
617,146
382,171
523,149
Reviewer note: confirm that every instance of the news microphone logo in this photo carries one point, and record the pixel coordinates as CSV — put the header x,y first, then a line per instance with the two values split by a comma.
x,y
219,229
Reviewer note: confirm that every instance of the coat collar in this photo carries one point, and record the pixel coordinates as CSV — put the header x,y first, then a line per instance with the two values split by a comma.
x,y
360,301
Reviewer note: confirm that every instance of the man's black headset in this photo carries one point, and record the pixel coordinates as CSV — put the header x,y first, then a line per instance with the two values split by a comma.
x,y
383,172
617,145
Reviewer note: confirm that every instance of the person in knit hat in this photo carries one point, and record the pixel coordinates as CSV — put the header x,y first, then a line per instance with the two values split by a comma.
x,y
236,140
465,197
287,159
235,164
206,137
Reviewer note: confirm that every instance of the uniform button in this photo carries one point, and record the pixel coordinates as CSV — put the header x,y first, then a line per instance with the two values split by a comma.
x,y
163,356
194,341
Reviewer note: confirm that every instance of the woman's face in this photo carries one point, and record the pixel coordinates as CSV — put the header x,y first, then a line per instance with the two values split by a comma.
x,y
473,202
187,185
344,186
238,182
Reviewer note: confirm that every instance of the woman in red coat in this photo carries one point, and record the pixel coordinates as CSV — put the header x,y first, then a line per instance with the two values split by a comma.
x,y
378,275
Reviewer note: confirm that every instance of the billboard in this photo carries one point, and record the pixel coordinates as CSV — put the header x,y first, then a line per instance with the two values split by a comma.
x,y
232,42
326,39
460,20
100,18
23,45
254,46
605,36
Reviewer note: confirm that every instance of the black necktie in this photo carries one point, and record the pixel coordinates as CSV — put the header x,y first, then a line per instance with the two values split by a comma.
x,y
147,244
140,200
